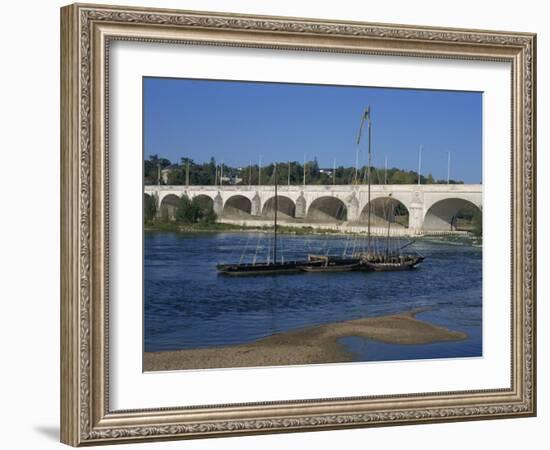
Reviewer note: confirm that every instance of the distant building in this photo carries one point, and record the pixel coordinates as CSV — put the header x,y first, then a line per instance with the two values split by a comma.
x,y
167,171
231,179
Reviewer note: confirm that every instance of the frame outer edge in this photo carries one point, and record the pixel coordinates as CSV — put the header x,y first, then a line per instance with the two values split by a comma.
x,y
69,338
81,414
533,230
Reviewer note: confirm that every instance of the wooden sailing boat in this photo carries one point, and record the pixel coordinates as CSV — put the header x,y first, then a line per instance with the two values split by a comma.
x,y
318,263
385,259
326,263
271,265
332,263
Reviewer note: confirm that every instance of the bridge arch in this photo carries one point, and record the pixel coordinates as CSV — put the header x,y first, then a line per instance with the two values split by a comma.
x,y
327,209
205,202
168,206
237,206
446,214
384,208
286,208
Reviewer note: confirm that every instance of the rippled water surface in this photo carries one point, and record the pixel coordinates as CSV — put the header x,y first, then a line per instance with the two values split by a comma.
x,y
188,305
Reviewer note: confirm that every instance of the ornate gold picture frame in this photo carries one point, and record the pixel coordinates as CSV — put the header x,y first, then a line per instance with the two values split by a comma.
x,y
87,31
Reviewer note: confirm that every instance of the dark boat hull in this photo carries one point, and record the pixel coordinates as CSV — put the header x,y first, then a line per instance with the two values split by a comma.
x,y
260,269
334,268
319,265
393,266
331,264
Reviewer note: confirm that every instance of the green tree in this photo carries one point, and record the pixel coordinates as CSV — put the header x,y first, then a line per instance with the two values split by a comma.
x,y
205,208
397,177
477,222
210,171
149,172
194,211
185,212
176,176
149,208
151,169
208,216
164,214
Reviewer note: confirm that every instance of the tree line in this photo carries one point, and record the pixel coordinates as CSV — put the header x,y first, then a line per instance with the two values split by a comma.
x,y
210,173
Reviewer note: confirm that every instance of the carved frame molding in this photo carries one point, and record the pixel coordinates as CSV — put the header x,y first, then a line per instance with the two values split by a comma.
x,y
86,31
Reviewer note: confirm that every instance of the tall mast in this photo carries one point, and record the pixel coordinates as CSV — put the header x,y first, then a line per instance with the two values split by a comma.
x,y
419,163
357,163
449,167
367,114
275,222
289,173
366,117
390,214
304,169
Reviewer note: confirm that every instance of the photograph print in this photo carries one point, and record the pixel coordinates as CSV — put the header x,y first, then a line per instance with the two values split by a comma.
x,y
294,224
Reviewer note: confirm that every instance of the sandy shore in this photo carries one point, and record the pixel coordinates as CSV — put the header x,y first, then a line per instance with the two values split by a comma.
x,y
311,345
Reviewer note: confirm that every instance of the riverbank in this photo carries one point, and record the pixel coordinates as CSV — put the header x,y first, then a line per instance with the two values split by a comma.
x,y
293,229
195,227
311,345
217,227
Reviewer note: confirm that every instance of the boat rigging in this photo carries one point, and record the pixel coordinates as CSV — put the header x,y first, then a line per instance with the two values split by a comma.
x,y
271,265
370,258
373,258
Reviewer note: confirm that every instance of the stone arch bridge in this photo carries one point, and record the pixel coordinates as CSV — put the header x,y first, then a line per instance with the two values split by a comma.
x,y
428,207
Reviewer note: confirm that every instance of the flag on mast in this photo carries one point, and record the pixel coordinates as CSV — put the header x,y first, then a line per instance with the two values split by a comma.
x,y
365,118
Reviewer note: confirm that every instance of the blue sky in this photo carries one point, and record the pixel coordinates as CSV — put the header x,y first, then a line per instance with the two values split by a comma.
x,y
237,121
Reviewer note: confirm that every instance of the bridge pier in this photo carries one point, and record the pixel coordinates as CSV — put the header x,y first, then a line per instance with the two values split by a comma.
x,y
416,212
218,205
415,220
352,207
158,199
301,207
256,206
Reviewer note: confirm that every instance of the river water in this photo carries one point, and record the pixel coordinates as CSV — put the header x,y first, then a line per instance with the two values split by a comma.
x,y
188,305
